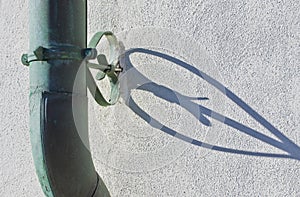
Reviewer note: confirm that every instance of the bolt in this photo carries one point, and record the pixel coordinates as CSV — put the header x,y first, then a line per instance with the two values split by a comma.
x,y
24,60
90,53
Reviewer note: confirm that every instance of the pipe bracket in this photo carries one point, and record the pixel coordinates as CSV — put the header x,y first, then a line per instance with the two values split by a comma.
x,y
109,67
58,53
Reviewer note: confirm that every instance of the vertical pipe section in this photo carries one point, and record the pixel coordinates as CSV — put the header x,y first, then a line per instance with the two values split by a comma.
x,y
63,162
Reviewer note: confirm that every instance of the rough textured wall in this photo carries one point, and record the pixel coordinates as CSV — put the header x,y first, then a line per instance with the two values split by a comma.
x,y
253,49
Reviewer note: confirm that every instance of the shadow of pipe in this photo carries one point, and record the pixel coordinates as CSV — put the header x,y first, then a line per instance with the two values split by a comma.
x,y
142,83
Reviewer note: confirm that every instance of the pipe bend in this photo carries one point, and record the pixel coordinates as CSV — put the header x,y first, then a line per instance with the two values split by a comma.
x,y
68,169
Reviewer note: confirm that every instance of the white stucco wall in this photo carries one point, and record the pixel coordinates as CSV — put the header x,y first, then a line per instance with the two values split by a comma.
x,y
253,49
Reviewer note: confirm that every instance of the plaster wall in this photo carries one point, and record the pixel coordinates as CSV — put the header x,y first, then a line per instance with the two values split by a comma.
x,y
251,47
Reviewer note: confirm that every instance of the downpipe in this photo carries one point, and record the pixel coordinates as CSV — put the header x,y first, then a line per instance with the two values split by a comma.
x,y
63,161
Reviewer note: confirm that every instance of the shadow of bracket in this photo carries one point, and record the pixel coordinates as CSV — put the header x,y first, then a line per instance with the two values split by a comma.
x,y
284,143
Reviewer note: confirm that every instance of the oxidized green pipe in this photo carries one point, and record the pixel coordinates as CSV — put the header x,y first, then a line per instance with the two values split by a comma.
x,y
63,162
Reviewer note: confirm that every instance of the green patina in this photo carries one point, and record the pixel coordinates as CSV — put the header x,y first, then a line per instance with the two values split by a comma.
x,y
62,159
